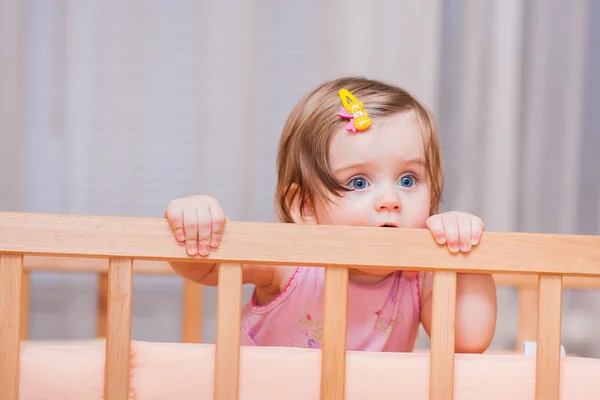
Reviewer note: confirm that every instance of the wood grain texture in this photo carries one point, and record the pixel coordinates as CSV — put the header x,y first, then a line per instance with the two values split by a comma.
x,y
293,244
335,325
191,318
25,304
229,326
441,375
547,378
11,272
102,303
527,319
118,330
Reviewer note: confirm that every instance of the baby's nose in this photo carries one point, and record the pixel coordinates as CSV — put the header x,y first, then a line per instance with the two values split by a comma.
x,y
388,201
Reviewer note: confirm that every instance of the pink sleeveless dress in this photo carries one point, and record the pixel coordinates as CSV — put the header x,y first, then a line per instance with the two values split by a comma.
x,y
381,317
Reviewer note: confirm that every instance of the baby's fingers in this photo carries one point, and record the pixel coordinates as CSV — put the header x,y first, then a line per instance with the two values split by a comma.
x,y
190,226
476,230
204,230
218,222
464,232
436,227
450,222
174,215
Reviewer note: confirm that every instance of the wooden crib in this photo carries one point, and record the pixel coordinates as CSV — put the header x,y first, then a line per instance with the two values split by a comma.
x,y
123,240
527,293
192,294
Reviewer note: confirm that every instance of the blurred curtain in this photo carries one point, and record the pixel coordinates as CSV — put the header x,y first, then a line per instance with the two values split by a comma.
x,y
519,100
128,105
12,103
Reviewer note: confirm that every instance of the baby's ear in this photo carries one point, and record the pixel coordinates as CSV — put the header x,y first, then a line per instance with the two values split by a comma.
x,y
301,212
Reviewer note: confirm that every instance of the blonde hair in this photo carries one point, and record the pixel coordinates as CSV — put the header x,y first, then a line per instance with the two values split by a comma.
x,y
304,147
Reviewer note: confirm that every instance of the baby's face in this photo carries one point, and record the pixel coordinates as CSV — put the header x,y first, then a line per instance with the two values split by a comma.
x,y
384,166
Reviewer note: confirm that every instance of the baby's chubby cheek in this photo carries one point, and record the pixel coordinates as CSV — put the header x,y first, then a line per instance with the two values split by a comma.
x,y
344,215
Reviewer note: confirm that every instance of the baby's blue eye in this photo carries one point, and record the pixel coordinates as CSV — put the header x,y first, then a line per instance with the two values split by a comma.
x,y
358,183
407,181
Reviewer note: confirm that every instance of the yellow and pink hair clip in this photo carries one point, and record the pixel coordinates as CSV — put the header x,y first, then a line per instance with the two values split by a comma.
x,y
353,110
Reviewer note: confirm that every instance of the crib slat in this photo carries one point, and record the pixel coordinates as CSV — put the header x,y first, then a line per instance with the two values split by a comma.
x,y
547,379
192,312
229,325
528,298
118,334
441,375
335,322
11,272
25,302
101,304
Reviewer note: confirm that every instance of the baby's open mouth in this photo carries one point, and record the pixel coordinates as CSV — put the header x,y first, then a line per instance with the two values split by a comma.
x,y
390,225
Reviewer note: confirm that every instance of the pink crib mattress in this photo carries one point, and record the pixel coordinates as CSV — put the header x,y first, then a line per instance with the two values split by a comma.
x,y
185,371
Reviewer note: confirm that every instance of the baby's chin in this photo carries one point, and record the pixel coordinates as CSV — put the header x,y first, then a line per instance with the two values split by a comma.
x,y
369,276
417,224
374,276
372,271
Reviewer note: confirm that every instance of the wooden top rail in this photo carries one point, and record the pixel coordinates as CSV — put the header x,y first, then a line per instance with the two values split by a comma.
x,y
278,243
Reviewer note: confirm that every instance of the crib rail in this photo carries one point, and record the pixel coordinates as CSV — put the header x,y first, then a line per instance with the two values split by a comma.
x,y
118,334
192,293
248,242
11,272
122,240
527,287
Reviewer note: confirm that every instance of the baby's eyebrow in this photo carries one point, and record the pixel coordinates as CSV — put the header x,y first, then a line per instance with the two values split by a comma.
x,y
411,161
349,166
416,161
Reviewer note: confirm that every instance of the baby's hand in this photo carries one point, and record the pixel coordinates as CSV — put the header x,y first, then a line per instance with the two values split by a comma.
x,y
460,230
197,220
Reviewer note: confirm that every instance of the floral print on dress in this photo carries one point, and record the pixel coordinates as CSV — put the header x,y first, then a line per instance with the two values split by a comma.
x,y
385,324
313,330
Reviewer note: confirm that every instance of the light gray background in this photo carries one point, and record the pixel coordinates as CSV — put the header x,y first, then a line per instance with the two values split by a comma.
x,y
128,105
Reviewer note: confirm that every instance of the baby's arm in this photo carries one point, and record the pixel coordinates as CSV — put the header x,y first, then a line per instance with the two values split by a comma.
x,y
475,293
198,221
475,311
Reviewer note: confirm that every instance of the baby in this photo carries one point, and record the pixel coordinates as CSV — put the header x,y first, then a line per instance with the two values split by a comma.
x,y
353,152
